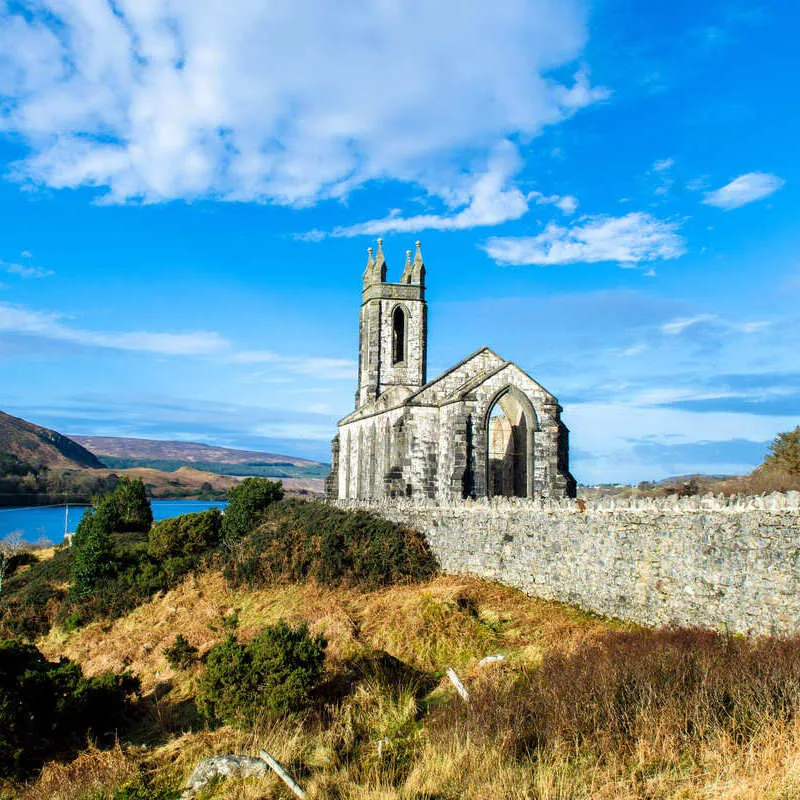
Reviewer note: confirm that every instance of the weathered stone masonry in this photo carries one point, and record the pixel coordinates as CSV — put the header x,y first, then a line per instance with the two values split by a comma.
x,y
726,563
482,428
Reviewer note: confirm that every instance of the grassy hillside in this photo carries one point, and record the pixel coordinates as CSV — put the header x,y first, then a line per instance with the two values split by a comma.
x,y
39,466
260,469
183,452
580,708
38,447
435,746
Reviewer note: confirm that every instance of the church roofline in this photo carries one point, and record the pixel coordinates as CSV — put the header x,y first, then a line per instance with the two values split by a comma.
x,y
454,368
360,413
455,396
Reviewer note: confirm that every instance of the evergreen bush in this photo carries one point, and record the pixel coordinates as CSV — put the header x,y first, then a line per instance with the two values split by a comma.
x,y
246,502
180,654
48,707
271,675
784,452
133,507
93,552
299,540
185,535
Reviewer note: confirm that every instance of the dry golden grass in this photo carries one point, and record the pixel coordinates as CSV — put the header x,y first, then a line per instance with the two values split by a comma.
x,y
449,621
91,774
445,622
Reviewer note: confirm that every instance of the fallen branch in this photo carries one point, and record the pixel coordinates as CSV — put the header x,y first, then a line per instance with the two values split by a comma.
x,y
282,774
454,679
490,659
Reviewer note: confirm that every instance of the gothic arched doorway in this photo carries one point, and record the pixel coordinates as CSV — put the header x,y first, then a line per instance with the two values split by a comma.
x,y
510,424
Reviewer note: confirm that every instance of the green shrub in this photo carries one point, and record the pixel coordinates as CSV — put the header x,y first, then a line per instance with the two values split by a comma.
x,y
185,535
180,654
246,501
48,707
299,540
94,553
784,452
111,571
272,674
133,507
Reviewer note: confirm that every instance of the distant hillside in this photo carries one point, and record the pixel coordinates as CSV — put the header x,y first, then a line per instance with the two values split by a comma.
x,y
120,447
124,453
39,447
39,466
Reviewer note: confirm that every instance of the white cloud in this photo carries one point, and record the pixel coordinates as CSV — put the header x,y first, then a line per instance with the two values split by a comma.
x,y
743,190
281,102
662,169
315,366
610,432
628,240
565,203
24,270
492,201
678,326
19,320
488,199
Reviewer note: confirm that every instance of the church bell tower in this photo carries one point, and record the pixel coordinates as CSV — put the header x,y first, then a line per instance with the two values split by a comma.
x,y
393,332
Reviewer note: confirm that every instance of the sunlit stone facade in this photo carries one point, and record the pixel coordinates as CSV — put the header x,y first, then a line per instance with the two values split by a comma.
x,y
482,428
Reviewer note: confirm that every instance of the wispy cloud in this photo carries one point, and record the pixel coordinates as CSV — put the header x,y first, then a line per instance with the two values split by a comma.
x,y
313,366
24,270
678,326
18,320
564,203
743,190
151,102
187,418
662,169
628,240
488,199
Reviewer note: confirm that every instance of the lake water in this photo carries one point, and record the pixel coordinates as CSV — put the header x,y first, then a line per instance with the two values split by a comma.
x,y
47,523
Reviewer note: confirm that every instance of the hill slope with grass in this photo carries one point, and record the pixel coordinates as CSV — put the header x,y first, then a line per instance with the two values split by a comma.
x,y
39,466
41,447
125,453
325,636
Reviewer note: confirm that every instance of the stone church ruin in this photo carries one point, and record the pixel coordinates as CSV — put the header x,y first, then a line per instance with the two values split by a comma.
x,y
483,428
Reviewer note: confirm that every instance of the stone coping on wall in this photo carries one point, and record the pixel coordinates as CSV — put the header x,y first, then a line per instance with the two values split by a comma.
x,y
736,503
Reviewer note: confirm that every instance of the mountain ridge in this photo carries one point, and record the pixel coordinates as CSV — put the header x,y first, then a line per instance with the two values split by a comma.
x,y
41,447
164,450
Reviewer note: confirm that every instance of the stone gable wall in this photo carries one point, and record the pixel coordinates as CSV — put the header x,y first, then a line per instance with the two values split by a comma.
x,y
726,563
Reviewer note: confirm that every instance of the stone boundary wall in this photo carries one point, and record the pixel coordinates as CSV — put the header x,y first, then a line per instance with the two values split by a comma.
x,y
727,563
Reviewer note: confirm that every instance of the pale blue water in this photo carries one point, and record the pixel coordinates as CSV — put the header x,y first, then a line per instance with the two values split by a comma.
x,y
40,524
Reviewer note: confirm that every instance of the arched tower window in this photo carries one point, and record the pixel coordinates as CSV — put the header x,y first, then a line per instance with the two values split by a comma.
x,y
398,335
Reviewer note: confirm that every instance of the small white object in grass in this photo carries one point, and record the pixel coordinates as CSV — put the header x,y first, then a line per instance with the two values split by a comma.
x,y
454,679
490,659
282,774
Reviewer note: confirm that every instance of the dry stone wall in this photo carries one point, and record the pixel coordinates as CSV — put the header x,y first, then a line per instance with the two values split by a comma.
x,y
726,563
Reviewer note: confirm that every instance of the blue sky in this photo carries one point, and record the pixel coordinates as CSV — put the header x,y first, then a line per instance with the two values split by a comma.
x,y
606,192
